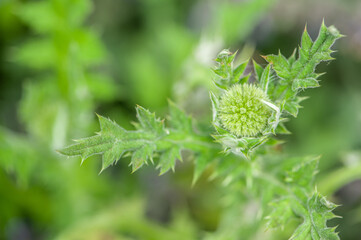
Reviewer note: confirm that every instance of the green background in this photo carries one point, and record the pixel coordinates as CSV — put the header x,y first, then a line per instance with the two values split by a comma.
x,y
64,60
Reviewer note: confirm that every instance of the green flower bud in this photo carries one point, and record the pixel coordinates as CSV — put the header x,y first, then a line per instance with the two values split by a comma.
x,y
242,110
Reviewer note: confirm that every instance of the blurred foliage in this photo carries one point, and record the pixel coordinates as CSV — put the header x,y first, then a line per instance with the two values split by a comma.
x,y
55,73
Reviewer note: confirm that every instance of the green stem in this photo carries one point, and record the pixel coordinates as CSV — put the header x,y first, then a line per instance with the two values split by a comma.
x,y
338,178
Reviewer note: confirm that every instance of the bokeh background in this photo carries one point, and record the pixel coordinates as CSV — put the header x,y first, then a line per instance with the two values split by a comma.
x,y
63,60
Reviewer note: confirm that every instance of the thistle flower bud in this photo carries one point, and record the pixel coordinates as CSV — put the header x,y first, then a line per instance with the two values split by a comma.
x,y
242,110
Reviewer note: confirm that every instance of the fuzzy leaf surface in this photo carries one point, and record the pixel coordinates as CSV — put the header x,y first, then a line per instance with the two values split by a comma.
x,y
226,73
299,201
150,138
299,74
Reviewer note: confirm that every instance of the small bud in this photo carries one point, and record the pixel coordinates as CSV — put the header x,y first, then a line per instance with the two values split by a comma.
x,y
242,111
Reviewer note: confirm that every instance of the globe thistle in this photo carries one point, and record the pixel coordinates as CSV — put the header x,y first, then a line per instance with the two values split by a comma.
x,y
242,110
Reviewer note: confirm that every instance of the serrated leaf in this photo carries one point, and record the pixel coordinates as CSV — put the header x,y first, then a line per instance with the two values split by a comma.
x,y
298,74
111,155
226,75
141,155
150,137
292,59
298,200
258,69
238,71
265,78
291,108
178,119
245,79
314,226
280,65
293,105
281,213
302,232
303,173
201,161
113,141
306,42
304,83
215,105
281,129
148,121
168,158
240,146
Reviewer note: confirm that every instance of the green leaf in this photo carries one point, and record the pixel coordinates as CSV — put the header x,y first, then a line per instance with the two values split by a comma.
x,y
304,83
19,156
281,213
39,15
292,108
151,137
298,200
293,105
141,155
149,122
281,129
201,161
178,119
265,78
226,75
239,71
258,69
45,16
240,146
29,54
314,226
303,173
112,142
89,47
215,106
280,64
298,74
306,42
168,158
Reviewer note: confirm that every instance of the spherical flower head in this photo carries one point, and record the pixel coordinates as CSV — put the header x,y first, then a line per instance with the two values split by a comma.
x,y
242,110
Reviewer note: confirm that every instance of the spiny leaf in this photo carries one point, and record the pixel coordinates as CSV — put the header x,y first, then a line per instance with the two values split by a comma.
x,y
258,69
238,71
168,158
293,105
304,83
178,119
149,122
226,75
298,74
201,161
280,64
281,129
281,213
150,137
298,200
141,155
306,41
314,226
113,141
303,173
265,78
